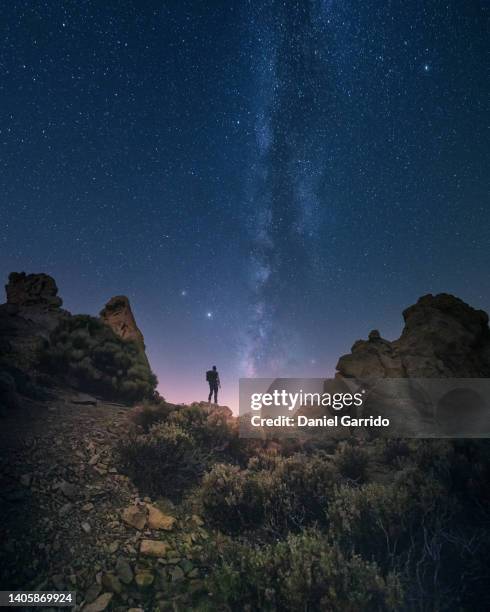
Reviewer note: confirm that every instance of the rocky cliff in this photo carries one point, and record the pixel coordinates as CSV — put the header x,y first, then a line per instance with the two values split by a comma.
x,y
443,337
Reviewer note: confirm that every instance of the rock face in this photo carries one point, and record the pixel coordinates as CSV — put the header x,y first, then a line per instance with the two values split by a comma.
x,y
29,322
32,311
118,315
38,290
443,337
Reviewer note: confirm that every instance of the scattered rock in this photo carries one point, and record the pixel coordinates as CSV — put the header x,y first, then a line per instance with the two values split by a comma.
x,y
83,399
69,490
144,579
124,571
176,573
65,509
111,582
100,604
113,546
153,548
88,507
92,592
158,520
135,516
86,527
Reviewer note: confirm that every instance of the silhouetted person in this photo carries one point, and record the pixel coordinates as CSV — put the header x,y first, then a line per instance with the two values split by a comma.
x,y
212,377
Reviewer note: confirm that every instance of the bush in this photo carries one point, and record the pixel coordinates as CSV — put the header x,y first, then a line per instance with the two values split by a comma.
x,y
164,461
172,446
303,572
380,521
352,462
87,354
289,494
148,413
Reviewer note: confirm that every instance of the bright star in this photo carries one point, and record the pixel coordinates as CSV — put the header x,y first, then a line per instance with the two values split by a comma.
x,y
209,315
183,293
426,67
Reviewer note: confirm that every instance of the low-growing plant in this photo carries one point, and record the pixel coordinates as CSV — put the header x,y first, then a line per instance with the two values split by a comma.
x,y
352,462
87,354
303,572
279,495
164,461
154,455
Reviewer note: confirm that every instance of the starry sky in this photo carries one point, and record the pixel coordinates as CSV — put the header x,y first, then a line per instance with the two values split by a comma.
x,y
267,181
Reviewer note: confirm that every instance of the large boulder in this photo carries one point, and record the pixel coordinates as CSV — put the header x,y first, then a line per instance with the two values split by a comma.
x,y
443,337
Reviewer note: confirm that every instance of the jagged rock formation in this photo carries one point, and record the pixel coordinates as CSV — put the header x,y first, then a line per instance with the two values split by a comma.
x,y
32,311
443,337
31,322
118,315
38,290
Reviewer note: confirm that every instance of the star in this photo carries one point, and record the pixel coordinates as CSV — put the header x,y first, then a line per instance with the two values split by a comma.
x,y
209,315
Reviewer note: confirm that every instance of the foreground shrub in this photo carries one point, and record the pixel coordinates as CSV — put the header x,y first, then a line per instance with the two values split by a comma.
x,y
352,462
291,493
303,572
171,446
148,413
87,354
164,461
380,521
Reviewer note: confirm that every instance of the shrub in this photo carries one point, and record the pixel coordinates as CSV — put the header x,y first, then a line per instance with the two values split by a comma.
x,y
352,462
303,572
393,452
289,494
87,354
164,461
155,456
382,521
149,413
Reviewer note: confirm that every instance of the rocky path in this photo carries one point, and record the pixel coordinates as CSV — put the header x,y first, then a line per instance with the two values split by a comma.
x,y
70,521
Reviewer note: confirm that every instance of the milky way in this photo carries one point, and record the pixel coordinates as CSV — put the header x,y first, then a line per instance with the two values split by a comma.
x,y
266,181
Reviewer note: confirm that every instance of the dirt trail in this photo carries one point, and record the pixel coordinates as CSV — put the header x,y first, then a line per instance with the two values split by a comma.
x,y
61,503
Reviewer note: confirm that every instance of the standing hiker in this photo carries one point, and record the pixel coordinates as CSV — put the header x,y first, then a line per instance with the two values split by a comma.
x,y
212,377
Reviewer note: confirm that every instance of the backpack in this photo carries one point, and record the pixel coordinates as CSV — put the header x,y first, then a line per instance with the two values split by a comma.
x,y
210,376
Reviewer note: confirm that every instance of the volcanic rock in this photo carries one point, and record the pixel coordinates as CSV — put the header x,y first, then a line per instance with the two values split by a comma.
x,y
158,520
153,548
443,337
135,516
124,571
26,290
117,314
100,604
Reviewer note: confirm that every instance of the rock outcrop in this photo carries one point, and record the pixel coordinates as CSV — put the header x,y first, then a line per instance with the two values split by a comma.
x,y
32,311
32,290
443,337
117,314
32,349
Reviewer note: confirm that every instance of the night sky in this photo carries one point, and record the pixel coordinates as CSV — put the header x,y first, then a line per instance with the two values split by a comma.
x,y
266,181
